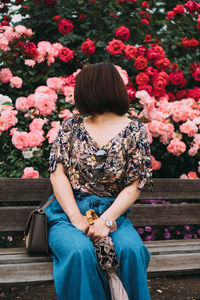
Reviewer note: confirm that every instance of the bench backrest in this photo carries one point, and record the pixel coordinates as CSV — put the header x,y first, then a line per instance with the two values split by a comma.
x,y
18,198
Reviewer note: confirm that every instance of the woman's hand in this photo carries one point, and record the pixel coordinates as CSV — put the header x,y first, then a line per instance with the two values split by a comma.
x,y
98,230
81,223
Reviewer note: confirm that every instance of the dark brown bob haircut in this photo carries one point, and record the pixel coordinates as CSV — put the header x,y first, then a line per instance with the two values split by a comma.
x,y
99,88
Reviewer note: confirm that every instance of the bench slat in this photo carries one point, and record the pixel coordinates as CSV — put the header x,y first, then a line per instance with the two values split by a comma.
x,y
14,218
14,257
174,264
26,273
42,271
18,189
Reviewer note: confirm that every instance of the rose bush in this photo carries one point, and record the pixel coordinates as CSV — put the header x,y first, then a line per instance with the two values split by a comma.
x,y
155,47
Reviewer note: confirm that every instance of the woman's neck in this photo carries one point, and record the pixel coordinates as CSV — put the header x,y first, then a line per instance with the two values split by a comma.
x,y
106,117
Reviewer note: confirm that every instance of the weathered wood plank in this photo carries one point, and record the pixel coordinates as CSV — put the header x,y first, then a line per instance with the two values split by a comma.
x,y
165,214
42,271
150,244
18,189
27,189
26,273
14,218
21,256
174,264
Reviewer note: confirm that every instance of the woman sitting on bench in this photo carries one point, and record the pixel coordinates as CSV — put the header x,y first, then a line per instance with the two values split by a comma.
x,y
108,167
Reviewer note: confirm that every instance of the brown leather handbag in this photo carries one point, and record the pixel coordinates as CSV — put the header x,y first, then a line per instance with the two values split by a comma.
x,y
36,229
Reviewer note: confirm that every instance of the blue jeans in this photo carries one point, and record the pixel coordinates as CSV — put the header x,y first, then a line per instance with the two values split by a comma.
x,y
77,275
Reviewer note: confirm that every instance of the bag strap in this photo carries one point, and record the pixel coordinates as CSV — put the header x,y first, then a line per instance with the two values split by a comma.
x,y
45,204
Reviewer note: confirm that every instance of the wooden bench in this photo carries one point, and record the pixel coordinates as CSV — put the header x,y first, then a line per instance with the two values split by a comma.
x,y
168,257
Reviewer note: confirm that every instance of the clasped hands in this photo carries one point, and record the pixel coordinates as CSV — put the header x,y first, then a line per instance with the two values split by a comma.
x,y
96,231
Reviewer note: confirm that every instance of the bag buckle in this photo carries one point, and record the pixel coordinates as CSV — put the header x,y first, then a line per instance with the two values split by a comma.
x,y
41,211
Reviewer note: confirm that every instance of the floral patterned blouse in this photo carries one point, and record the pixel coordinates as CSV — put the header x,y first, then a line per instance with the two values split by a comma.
x,y
127,158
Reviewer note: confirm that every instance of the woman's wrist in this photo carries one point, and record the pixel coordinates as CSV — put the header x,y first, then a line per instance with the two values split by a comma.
x,y
75,216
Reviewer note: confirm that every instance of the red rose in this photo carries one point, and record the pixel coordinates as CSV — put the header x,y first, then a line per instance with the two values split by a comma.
x,y
181,94
57,18
147,38
144,21
82,17
196,74
50,2
163,64
66,54
131,92
159,82
151,72
146,87
171,96
192,6
130,51
155,53
194,93
142,78
158,93
31,49
174,66
142,50
140,63
185,42
70,80
193,43
88,47
177,78
179,9
171,14
122,33
145,4
4,23
115,47
65,26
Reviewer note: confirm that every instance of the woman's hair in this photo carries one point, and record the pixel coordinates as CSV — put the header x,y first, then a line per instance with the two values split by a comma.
x,y
99,88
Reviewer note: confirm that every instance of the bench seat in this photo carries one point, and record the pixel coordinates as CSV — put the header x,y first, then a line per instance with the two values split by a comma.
x,y
167,258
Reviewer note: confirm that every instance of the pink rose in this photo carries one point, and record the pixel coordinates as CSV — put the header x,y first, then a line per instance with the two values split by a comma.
x,y
65,113
20,140
35,138
20,29
29,62
69,94
123,74
45,104
176,147
57,47
37,124
52,133
30,173
16,81
5,75
47,91
21,104
189,128
4,43
54,83
156,165
30,101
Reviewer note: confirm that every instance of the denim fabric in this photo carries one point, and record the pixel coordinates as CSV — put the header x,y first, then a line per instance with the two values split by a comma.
x,y
77,275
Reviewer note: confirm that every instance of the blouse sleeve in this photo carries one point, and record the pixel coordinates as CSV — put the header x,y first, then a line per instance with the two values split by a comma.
x,y
139,160
60,148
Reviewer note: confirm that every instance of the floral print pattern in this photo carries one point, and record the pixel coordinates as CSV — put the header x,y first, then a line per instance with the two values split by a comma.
x,y
128,158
